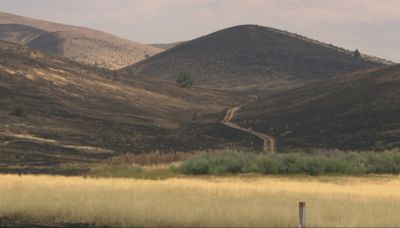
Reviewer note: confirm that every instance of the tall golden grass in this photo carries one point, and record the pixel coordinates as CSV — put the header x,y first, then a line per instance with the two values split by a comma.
x,y
210,201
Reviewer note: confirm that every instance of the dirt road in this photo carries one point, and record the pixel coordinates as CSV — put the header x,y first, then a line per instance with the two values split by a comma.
x,y
269,141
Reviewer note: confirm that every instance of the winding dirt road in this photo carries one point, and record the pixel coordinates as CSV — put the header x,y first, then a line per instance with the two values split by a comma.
x,y
269,141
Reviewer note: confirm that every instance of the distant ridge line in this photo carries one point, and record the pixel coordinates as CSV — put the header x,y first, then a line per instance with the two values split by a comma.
x,y
367,57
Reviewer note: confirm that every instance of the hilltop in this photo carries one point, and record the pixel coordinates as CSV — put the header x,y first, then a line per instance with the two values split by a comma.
x,y
249,56
80,44
357,111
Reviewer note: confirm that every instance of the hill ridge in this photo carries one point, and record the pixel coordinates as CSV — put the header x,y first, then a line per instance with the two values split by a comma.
x,y
250,56
366,57
344,50
113,57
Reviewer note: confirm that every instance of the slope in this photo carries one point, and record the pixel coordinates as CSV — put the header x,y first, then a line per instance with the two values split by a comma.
x,y
85,45
17,33
353,111
248,56
54,110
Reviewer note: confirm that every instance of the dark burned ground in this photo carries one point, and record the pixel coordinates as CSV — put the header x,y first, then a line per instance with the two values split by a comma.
x,y
26,157
78,114
75,114
359,111
249,56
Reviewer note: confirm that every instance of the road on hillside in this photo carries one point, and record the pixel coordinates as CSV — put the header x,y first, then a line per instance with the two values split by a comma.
x,y
269,142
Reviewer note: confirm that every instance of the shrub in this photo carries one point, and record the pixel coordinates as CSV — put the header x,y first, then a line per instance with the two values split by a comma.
x,y
184,79
292,163
233,162
130,72
337,166
197,165
357,53
268,165
385,162
315,166
333,162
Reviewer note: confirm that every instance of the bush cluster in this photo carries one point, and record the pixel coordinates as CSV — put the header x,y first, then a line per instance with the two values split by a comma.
x,y
184,79
349,163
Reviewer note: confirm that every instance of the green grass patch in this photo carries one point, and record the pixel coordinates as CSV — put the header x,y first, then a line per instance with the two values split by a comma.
x,y
231,162
334,163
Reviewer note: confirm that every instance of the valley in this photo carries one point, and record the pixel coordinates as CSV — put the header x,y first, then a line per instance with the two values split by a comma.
x,y
202,118
268,141
72,112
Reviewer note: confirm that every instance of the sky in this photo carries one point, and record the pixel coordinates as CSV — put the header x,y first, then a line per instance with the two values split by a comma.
x,y
372,26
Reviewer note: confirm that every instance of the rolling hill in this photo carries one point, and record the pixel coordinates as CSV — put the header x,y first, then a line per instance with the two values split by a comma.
x,y
20,34
80,44
248,56
357,111
54,110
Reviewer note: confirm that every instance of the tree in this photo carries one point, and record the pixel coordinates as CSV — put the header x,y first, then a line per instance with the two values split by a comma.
x,y
357,53
184,79
130,72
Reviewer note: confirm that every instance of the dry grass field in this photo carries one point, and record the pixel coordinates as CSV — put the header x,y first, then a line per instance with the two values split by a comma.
x,y
207,201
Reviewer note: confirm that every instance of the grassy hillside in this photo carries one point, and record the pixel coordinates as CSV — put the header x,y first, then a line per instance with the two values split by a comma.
x,y
250,56
85,45
353,111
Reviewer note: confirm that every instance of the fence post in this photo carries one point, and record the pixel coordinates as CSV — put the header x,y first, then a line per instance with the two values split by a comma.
x,y
302,214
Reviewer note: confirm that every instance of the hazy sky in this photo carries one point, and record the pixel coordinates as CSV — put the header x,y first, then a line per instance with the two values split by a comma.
x,y
373,26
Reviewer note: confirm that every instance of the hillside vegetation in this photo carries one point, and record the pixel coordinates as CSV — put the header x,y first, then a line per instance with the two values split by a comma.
x,y
316,163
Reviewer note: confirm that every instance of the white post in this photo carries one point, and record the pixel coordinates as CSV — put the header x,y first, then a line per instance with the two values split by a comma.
x,y
302,214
